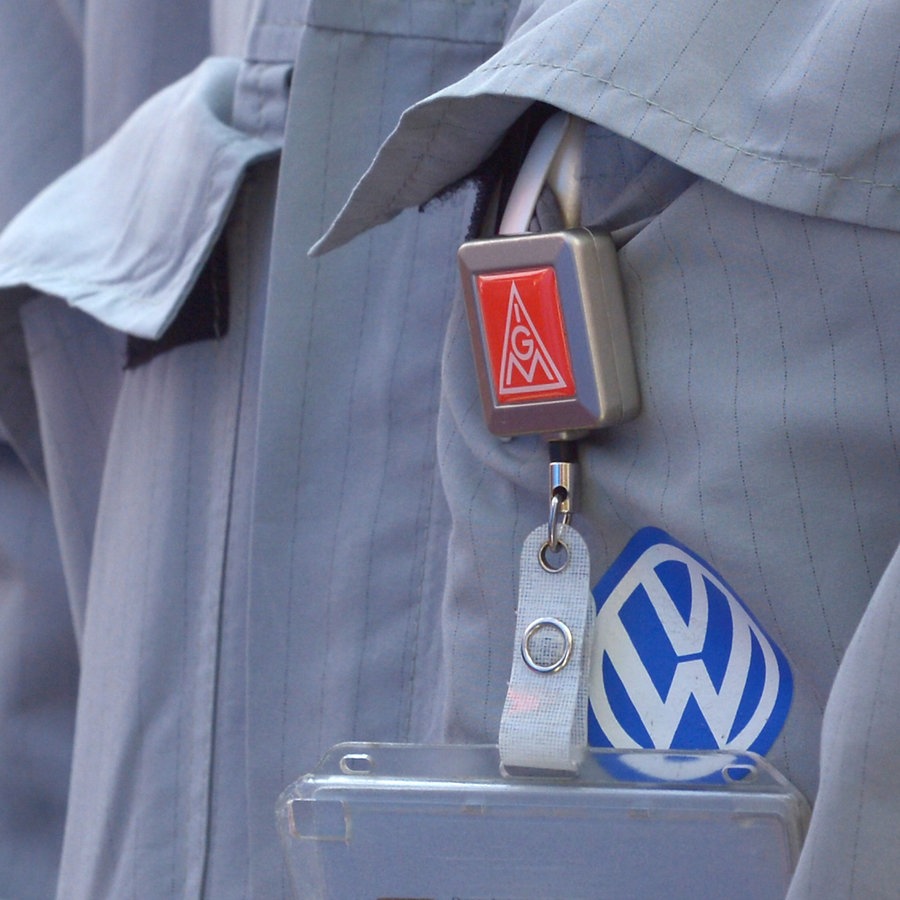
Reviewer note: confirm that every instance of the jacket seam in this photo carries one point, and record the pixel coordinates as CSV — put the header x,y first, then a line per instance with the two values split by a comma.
x,y
779,161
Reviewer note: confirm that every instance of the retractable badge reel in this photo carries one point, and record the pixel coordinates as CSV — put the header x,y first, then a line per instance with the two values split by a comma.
x,y
539,818
553,354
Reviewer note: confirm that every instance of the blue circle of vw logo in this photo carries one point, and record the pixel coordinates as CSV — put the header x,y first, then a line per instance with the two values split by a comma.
x,y
678,661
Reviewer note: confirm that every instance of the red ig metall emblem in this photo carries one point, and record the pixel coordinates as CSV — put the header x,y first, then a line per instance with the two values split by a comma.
x,y
525,335
551,342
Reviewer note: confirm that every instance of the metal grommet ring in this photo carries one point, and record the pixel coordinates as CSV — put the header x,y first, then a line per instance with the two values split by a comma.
x,y
555,648
549,565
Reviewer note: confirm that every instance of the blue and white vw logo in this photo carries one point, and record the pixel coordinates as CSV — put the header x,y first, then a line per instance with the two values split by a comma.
x,y
678,661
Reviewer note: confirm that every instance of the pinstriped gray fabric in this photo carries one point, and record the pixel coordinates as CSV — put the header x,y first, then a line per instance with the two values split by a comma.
x,y
764,336
75,366
851,850
766,442
305,533
231,805
39,109
764,98
767,437
150,641
162,690
175,778
146,594
38,677
350,522
145,47
40,139
154,627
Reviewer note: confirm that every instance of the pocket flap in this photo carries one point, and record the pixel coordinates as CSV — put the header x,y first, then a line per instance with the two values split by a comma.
x,y
791,105
124,234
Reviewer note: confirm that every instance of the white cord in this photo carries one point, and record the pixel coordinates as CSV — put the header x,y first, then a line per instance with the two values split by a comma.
x,y
554,159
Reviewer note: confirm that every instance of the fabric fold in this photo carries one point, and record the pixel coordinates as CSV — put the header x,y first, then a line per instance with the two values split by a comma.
x,y
771,113
124,234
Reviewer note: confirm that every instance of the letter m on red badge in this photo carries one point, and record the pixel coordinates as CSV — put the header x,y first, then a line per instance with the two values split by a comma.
x,y
525,336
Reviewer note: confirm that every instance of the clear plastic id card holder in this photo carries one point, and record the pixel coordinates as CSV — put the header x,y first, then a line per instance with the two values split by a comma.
x,y
405,822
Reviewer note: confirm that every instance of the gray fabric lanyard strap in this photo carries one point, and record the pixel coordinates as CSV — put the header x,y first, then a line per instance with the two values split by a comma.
x,y
551,344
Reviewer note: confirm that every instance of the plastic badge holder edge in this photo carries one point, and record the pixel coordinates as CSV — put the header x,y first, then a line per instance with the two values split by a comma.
x,y
340,825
